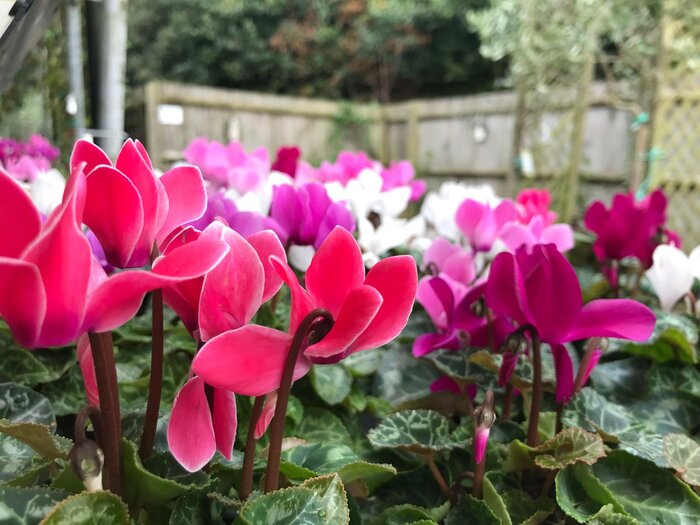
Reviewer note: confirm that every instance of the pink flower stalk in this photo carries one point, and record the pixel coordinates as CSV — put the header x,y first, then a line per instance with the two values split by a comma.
x,y
481,224
515,234
229,166
451,261
400,174
203,418
52,289
629,228
128,208
455,319
368,311
287,160
533,202
541,289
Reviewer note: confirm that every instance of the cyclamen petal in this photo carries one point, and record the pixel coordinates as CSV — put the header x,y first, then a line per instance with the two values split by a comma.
x,y
671,275
565,373
225,421
481,439
186,197
267,414
20,221
267,244
191,438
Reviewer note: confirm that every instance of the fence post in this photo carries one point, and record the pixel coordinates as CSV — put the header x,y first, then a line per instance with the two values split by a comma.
x,y
413,138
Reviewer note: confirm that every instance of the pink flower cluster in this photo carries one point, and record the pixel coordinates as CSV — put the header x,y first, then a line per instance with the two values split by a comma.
x,y
24,160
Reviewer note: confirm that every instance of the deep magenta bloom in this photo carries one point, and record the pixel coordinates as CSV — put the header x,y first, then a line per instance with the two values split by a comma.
x,y
629,228
533,202
541,289
306,215
287,160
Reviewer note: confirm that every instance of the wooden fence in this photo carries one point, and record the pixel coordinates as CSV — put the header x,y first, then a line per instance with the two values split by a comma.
x,y
466,136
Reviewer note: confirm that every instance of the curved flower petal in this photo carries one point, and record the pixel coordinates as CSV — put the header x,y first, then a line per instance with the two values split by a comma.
x,y
64,258
336,269
248,360
87,369
505,289
232,290
302,303
187,198
22,300
225,421
268,412
355,317
396,279
564,373
510,361
118,298
621,318
514,235
427,343
446,384
561,235
20,222
428,299
87,153
191,436
114,213
266,244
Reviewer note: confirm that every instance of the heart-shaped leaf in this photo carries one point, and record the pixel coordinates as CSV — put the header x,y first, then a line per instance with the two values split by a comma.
x,y
683,454
420,431
89,508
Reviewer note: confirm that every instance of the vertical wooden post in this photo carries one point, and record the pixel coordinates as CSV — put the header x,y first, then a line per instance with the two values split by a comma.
x,y
151,96
413,138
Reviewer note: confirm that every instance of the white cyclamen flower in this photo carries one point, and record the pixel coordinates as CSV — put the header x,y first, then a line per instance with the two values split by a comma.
x,y
672,274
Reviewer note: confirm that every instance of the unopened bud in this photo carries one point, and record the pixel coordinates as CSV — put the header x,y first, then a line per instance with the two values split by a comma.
x,y
87,461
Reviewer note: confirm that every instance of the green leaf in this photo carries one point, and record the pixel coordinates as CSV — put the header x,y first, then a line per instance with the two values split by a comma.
x,y
620,379
363,363
333,498
572,497
608,516
572,445
647,492
402,378
316,459
674,338
67,394
511,504
416,430
19,403
332,383
471,510
322,426
411,514
37,436
674,377
20,365
683,454
28,505
318,501
456,365
144,487
89,508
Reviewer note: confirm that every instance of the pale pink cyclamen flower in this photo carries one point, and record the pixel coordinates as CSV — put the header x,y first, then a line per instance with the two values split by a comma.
x,y
481,224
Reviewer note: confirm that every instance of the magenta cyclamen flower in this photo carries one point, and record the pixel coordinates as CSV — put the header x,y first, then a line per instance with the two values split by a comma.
x,y
533,202
451,261
629,228
287,160
402,174
541,289
306,215
481,224
455,319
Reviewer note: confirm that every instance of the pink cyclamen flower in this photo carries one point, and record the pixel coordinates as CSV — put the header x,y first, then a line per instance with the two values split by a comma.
x,y
400,174
128,208
368,311
515,234
451,261
229,166
203,418
533,202
52,289
481,224
629,228
541,289
454,316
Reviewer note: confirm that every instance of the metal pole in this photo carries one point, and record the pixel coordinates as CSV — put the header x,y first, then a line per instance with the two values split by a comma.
x,y
113,25
74,50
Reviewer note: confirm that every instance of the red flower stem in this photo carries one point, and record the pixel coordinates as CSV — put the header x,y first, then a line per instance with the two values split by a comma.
x,y
536,403
155,382
507,401
92,412
439,478
249,455
306,328
110,418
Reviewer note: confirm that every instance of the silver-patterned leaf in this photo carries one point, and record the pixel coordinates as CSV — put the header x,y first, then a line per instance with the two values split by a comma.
x,y
416,430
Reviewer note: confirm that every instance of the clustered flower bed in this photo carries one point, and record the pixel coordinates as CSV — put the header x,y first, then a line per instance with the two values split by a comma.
x,y
249,340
